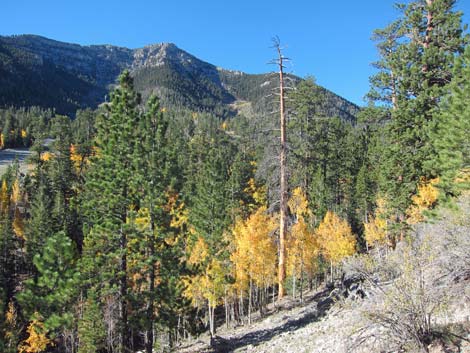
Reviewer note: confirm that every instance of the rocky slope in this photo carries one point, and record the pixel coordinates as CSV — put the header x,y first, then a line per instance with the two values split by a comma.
x,y
38,71
338,320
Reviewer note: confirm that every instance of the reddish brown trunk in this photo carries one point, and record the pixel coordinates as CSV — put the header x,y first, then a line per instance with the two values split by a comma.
x,y
429,25
283,165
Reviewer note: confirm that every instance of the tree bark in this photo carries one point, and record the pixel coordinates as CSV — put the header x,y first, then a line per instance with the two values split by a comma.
x,y
124,329
283,177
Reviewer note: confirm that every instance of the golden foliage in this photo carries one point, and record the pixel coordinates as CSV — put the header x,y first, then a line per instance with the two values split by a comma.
x,y
75,157
24,134
176,209
257,192
298,203
207,286
335,238
199,252
18,224
302,247
2,141
4,199
375,231
254,255
425,199
15,192
37,340
46,156
10,316
10,320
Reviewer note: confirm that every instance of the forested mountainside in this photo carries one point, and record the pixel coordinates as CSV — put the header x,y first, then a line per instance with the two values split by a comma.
x,y
148,222
66,77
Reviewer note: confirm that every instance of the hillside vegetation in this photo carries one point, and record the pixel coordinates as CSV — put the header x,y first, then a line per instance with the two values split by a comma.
x,y
151,222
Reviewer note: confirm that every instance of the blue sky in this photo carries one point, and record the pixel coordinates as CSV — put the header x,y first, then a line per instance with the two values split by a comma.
x,y
329,40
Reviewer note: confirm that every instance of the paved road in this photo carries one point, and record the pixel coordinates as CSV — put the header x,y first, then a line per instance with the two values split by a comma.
x,y
8,155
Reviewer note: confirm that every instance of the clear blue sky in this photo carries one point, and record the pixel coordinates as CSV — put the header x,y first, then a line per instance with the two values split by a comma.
x,y
327,39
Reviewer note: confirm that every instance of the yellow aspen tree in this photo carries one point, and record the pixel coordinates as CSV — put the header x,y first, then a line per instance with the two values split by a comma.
x,y
4,198
16,193
254,254
75,157
12,327
208,285
302,247
424,200
18,223
375,231
37,340
46,156
336,239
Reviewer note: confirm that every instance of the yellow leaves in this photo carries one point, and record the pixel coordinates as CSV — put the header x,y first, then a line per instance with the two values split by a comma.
x,y
335,238
46,156
258,193
18,224
302,249
375,231
163,110
4,199
208,285
75,157
425,199
199,252
255,252
24,134
11,324
37,340
10,316
2,141
298,203
142,219
214,282
427,193
177,210
224,125
15,192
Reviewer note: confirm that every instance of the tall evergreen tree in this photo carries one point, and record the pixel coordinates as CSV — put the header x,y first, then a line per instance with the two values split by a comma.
x,y
450,134
110,196
430,36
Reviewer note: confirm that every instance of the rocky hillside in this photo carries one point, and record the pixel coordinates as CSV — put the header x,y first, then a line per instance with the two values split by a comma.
x,y
51,74
415,298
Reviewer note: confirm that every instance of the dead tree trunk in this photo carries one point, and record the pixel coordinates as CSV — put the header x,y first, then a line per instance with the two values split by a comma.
x,y
283,174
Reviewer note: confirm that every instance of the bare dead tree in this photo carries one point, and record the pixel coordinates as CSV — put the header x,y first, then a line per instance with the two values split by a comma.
x,y
279,61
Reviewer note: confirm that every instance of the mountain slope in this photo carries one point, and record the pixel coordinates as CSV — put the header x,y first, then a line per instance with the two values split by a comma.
x,y
353,314
38,71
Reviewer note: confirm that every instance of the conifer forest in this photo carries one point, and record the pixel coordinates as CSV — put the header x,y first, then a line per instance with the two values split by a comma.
x,y
186,204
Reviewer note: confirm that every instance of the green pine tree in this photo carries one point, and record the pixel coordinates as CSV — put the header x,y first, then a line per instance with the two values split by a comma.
x,y
110,193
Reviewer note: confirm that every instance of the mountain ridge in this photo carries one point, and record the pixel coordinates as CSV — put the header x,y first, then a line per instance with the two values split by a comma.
x,y
36,70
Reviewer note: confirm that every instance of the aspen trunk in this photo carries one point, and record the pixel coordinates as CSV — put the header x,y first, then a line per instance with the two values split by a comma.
x,y
250,304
